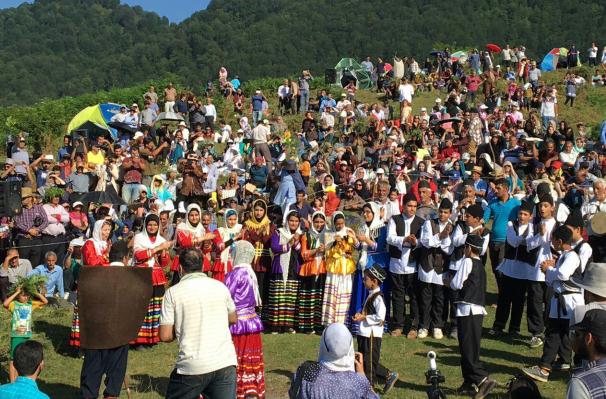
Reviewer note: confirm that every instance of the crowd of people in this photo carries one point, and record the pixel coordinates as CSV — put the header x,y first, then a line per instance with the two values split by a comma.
x,y
363,219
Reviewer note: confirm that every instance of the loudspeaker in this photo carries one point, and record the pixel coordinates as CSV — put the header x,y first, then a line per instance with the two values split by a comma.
x,y
330,76
10,198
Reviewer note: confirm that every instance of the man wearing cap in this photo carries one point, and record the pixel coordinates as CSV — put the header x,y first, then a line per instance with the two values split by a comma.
x,y
20,156
261,135
9,173
427,208
29,226
121,115
12,268
503,209
590,341
403,233
598,202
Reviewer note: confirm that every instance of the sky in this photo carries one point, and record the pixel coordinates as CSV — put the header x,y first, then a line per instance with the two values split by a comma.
x,y
174,10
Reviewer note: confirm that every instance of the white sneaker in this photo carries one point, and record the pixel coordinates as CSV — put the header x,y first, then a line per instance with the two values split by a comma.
x,y
423,333
437,333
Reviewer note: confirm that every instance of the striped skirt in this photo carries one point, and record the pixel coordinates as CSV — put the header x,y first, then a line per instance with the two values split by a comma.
x,y
282,303
74,337
309,303
337,297
250,371
149,333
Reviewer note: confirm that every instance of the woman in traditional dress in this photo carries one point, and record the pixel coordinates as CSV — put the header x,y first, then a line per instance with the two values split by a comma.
x,y
151,250
95,252
284,284
372,245
229,235
246,333
258,230
312,276
191,233
340,266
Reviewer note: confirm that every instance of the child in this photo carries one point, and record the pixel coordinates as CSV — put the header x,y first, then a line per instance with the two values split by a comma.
x,y
470,285
575,223
370,332
518,263
21,306
566,296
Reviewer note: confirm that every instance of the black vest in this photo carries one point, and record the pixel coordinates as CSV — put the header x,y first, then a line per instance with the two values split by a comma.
x,y
520,252
434,258
474,287
578,273
457,253
369,307
415,228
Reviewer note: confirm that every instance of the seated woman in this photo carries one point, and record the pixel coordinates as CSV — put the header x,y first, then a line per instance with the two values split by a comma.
x,y
338,373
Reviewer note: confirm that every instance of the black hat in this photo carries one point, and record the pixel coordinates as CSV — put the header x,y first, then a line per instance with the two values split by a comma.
x,y
575,219
527,206
594,321
424,184
409,197
474,240
475,210
377,272
468,182
546,198
543,188
445,204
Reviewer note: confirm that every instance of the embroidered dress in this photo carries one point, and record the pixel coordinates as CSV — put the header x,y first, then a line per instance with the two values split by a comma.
x,y
246,333
283,285
339,269
144,257
223,264
312,277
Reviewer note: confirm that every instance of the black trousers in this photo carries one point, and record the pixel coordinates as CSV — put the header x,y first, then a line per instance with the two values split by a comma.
x,y
536,307
31,249
111,362
370,347
469,330
402,286
57,244
496,251
557,342
4,288
510,301
431,305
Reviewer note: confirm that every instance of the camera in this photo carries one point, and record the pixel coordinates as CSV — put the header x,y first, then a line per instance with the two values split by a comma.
x,y
434,378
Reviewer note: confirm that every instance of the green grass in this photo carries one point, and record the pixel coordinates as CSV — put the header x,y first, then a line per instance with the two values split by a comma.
x,y
148,371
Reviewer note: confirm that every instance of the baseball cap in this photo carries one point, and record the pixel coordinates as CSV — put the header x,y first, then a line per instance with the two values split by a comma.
x,y
593,321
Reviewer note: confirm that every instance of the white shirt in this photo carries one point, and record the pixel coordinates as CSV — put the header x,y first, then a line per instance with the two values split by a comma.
x,y
404,265
406,92
373,324
544,242
569,157
198,308
283,91
511,267
593,52
211,111
465,308
592,207
548,106
260,134
458,239
585,252
566,265
430,240
57,219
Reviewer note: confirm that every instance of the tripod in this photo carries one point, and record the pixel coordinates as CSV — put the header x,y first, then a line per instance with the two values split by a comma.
x,y
434,378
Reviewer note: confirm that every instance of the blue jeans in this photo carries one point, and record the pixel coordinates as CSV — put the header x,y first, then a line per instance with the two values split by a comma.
x,y
546,120
304,101
219,384
257,116
130,192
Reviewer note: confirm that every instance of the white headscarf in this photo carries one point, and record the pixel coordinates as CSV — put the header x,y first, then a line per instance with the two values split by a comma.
x,y
143,242
228,233
285,236
244,254
100,244
371,230
197,230
336,348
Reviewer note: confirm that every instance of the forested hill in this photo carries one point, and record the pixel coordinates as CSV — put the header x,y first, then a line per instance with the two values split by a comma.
x,y
54,48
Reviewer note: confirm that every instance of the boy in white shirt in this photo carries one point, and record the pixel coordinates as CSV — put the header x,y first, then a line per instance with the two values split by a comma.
x,y
372,320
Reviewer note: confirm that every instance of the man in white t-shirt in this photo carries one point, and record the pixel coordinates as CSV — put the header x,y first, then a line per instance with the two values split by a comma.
x,y
593,55
198,311
406,91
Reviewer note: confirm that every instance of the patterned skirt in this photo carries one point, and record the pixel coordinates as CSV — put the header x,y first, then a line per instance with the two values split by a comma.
x,y
149,334
250,371
337,297
309,303
74,337
282,303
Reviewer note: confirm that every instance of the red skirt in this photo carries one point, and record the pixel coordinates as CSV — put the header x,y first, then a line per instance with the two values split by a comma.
x,y
219,270
251,375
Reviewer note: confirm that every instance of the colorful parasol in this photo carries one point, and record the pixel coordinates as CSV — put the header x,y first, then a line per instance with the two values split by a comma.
x,y
493,48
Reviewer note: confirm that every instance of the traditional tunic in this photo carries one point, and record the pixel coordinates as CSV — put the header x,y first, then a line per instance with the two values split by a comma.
x,y
95,252
246,333
312,277
339,267
223,264
370,255
144,257
283,285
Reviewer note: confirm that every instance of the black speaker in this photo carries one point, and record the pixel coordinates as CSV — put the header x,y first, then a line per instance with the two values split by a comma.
x,y
10,198
330,76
